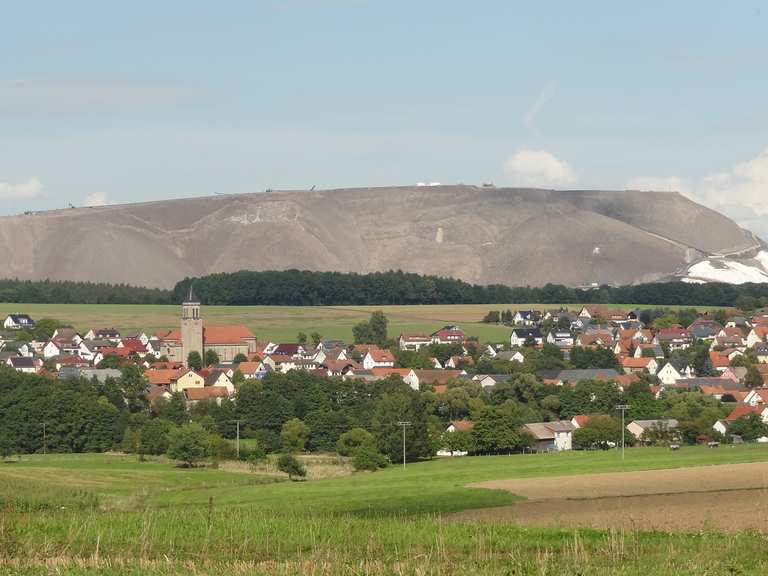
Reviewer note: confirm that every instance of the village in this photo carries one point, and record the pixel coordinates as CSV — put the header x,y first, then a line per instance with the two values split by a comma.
x,y
202,363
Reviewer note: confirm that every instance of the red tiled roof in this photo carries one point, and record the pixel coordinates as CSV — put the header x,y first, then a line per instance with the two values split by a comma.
x,y
206,393
743,410
384,372
462,424
134,345
160,377
631,362
228,334
581,419
248,368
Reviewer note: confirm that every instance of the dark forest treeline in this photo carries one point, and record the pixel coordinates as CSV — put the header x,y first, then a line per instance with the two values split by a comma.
x,y
305,288
69,292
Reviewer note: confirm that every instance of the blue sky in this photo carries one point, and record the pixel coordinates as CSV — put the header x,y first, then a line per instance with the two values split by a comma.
x,y
107,102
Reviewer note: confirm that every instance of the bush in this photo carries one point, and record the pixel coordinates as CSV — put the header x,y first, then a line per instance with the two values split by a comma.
x,y
189,444
367,457
349,442
289,464
221,448
267,439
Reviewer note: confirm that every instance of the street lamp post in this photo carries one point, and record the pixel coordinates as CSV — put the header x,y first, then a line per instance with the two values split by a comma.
x,y
404,424
623,408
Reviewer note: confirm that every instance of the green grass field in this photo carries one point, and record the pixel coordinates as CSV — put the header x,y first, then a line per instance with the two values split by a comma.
x,y
281,323
111,514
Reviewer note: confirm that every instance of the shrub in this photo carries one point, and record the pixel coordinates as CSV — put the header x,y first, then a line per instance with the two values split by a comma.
x,y
189,444
367,457
289,464
220,448
349,442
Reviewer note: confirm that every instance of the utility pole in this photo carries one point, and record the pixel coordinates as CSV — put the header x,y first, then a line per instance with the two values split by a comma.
x,y
623,408
404,424
237,441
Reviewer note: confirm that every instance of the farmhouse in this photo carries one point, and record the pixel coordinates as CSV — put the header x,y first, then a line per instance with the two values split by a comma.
x,y
639,427
551,436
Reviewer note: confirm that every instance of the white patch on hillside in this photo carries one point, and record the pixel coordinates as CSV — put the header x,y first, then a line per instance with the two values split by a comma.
x,y
730,271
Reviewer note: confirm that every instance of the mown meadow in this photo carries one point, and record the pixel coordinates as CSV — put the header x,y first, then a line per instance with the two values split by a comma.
x,y
80,514
283,323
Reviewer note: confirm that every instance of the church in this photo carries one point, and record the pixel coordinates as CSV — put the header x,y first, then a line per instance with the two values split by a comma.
x,y
194,336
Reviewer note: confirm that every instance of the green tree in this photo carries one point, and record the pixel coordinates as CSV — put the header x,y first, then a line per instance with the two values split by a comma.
x,y
188,444
350,441
362,334
379,325
301,338
133,386
154,436
240,358
367,457
173,409
194,360
600,431
289,464
211,358
294,435
316,338
753,379
458,441
749,427
495,433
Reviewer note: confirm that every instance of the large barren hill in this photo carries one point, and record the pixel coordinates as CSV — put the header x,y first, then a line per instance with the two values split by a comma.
x,y
484,235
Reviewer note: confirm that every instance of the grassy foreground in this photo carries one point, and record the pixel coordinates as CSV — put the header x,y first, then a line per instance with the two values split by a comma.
x,y
282,323
110,514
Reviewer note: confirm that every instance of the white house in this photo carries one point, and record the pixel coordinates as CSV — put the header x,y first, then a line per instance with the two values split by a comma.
x,y
23,364
519,336
560,338
18,321
551,436
414,341
756,336
668,374
378,358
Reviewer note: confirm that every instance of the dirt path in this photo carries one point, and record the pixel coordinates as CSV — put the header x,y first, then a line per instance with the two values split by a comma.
x,y
728,497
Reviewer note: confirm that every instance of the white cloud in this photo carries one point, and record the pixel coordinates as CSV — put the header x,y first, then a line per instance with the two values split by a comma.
x,y
741,192
538,168
32,188
96,199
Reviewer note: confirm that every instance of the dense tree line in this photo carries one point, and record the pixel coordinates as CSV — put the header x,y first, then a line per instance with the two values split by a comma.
x,y
306,288
67,292
296,287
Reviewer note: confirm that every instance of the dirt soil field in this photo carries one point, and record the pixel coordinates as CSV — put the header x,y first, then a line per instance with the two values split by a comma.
x,y
729,497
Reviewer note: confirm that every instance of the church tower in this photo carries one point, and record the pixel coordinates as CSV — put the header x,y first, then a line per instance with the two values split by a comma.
x,y
191,326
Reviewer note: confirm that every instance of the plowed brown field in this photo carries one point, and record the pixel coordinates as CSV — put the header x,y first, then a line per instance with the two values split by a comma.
x,y
729,497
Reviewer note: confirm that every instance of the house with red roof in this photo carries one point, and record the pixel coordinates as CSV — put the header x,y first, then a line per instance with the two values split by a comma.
x,y
376,357
414,341
448,335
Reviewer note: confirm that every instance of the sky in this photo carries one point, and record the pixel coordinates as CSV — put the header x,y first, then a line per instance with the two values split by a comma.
x,y
106,102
